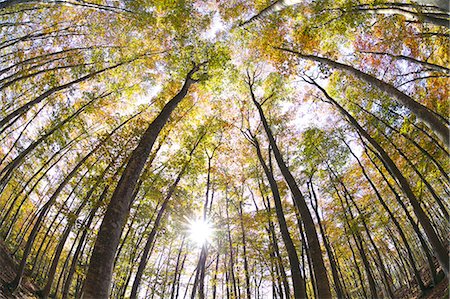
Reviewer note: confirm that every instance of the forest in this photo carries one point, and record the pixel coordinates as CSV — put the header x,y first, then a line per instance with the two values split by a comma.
x,y
224,149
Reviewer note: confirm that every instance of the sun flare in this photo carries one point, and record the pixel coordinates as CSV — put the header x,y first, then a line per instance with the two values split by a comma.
x,y
200,231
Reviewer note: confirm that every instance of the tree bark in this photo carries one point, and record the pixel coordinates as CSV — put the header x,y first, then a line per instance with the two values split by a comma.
x,y
51,274
297,279
420,111
393,219
320,272
98,279
13,116
159,217
439,249
337,283
23,154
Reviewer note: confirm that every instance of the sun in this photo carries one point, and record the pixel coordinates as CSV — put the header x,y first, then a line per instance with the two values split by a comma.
x,y
200,231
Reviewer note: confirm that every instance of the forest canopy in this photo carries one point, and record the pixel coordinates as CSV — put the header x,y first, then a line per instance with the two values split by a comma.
x,y
224,149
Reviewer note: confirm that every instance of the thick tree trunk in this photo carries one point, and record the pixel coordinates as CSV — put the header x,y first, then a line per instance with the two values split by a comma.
x,y
423,113
99,275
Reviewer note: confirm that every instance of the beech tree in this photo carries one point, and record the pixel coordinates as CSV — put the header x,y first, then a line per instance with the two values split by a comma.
x,y
224,149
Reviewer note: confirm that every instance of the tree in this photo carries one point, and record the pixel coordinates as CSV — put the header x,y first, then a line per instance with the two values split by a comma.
x,y
98,279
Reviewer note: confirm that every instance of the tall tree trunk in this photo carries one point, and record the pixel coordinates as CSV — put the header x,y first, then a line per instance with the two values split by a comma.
x,y
439,249
18,278
13,116
430,188
51,274
320,272
297,279
81,242
99,275
159,217
244,247
62,150
230,291
337,283
415,227
177,270
394,220
275,252
433,121
8,169
271,9
422,150
30,241
355,233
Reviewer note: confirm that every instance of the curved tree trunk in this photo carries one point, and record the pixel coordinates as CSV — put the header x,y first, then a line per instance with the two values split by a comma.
x,y
297,279
30,241
423,113
23,154
14,115
51,274
394,220
159,217
18,278
415,227
271,9
99,275
337,283
439,249
349,217
320,272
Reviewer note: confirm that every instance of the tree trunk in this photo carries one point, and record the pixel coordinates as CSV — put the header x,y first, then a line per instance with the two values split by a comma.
x,y
439,249
297,279
151,236
5,217
423,113
73,265
6,121
19,274
320,272
271,9
99,275
355,233
415,227
244,247
23,154
337,283
51,274
394,220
